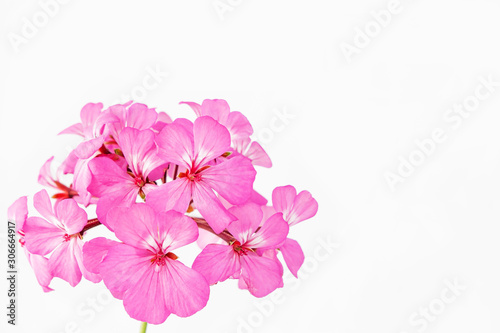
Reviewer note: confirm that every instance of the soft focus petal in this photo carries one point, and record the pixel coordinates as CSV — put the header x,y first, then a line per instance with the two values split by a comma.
x,y
41,268
45,176
258,155
195,106
217,262
73,129
293,255
238,125
18,212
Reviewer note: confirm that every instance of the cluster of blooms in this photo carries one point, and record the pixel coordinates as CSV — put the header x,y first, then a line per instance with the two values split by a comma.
x,y
151,178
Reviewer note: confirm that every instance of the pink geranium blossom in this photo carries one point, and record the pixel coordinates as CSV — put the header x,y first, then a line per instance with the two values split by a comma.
x,y
58,232
143,271
116,185
194,147
244,258
47,179
295,208
238,126
18,213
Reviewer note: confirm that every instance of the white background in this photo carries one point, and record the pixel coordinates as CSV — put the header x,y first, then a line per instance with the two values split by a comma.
x,y
393,249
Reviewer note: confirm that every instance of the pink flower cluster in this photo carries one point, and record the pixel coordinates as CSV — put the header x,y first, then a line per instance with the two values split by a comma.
x,y
159,185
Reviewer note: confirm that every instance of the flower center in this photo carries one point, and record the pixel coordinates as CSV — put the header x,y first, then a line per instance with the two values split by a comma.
x,y
160,258
237,247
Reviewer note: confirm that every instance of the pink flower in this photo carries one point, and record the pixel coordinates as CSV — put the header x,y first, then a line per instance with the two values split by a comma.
x,y
92,129
238,126
58,232
114,184
253,151
45,178
18,213
194,148
236,123
143,271
134,115
295,209
247,258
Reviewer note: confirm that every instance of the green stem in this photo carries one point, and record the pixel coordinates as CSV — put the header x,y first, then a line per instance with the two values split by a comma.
x,y
144,326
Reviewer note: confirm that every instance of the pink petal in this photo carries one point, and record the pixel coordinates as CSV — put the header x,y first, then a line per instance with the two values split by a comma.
x,y
175,144
141,117
73,129
206,237
238,125
260,200
94,252
18,212
258,155
249,217
186,290
211,208
89,114
135,225
78,252
69,164
121,267
63,262
283,198
261,274
42,204
218,109
45,176
195,106
272,233
112,200
175,195
211,140
72,217
295,208
40,266
139,149
293,255
217,263
145,301
108,177
232,179
88,148
175,230
41,236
